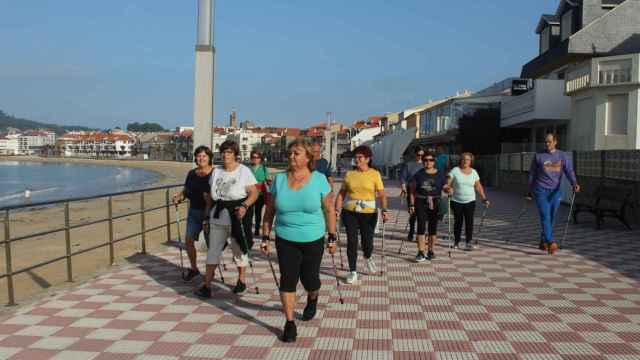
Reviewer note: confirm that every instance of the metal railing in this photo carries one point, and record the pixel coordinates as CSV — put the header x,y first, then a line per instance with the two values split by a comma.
x,y
10,273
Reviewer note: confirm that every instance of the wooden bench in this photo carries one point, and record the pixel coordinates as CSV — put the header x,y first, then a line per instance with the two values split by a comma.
x,y
607,201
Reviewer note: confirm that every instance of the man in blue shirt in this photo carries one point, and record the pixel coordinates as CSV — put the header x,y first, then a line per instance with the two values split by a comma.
x,y
322,165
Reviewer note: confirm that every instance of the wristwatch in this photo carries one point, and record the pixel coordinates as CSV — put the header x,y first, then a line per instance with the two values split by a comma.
x,y
265,238
331,238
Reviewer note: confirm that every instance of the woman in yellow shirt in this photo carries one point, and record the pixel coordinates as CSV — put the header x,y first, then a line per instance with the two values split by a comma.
x,y
361,187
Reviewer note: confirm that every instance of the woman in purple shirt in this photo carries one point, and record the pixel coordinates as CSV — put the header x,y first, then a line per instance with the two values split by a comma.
x,y
545,176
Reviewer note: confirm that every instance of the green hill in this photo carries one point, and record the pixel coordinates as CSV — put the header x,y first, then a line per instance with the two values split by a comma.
x,y
7,121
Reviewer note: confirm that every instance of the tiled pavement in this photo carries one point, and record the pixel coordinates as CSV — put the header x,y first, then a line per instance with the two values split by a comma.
x,y
501,301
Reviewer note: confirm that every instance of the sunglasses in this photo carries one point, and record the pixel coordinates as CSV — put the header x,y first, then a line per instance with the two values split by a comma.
x,y
420,154
430,159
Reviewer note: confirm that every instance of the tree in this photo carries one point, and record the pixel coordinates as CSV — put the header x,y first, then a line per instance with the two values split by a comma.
x,y
144,127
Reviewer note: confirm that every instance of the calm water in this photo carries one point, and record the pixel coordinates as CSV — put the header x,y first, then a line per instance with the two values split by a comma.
x,y
53,181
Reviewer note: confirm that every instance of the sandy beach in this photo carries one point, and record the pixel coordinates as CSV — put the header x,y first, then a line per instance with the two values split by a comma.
x,y
36,283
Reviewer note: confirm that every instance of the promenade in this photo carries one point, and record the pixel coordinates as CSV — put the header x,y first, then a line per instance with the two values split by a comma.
x,y
500,301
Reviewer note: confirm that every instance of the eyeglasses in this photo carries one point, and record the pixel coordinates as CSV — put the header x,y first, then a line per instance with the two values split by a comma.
x,y
228,151
430,159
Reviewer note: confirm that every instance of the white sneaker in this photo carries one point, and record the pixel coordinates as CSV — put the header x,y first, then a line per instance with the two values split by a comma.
x,y
352,278
371,266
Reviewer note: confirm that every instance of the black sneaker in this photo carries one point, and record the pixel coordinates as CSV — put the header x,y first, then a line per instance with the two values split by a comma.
x,y
410,237
310,310
188,277
290,332
256,233
430,255
203,292
420,257
240,287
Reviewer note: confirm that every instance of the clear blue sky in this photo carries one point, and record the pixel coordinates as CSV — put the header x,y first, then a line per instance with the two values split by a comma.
x,y
279,62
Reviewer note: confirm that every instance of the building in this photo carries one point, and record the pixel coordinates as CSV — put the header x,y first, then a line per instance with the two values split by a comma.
x,y
96,145
577,86
34,141
439,120
156,146
9,145
247,140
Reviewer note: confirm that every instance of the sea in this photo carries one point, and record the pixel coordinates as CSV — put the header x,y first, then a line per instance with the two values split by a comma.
x,y
27,182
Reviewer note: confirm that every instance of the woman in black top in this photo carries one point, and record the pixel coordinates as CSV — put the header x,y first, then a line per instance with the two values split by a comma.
x,y
196,189
426,187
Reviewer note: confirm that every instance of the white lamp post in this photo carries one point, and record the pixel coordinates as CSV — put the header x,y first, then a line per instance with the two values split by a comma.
x,y
204,76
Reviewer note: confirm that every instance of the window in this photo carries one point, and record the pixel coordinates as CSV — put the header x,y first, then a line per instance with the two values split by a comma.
x,y
614,72
617,111
566,25
544,40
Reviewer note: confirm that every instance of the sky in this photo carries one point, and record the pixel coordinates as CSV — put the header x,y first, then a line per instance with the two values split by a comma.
x,y
278,62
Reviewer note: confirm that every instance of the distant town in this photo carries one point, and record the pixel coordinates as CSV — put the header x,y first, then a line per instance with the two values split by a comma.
x,y
583,86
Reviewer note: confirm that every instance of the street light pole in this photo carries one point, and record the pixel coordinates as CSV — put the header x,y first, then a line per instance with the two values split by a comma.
x,y
204,76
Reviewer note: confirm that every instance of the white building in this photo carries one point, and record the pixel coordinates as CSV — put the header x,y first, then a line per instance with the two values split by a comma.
x,y
32,141
10,145
364,136
246,140
605,101
583,85
97,144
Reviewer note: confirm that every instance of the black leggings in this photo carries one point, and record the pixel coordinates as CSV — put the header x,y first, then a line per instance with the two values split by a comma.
x,y
257,210
427,216
460,212
363,223
412,218
299,261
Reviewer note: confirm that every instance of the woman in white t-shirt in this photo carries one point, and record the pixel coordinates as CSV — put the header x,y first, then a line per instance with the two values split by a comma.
x,y
465,181
233,191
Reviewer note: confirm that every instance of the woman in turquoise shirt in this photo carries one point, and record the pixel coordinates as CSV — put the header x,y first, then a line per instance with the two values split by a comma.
x,y
302,203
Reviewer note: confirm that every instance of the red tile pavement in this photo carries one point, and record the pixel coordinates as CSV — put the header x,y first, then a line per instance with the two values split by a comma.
x,y
500,301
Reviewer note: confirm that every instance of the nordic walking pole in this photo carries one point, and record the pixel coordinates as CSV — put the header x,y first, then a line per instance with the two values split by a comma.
x,y
179,242
244,242
449,224
335,272
338,236
566,226
482,217
265,250
384,223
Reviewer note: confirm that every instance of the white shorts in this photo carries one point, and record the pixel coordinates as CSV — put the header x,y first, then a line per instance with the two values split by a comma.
x,y
218,237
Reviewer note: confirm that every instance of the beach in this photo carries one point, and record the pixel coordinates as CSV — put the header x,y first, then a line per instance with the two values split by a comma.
x,y
39,282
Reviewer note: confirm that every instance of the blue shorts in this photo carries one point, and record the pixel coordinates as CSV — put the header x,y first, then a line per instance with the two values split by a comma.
x,y
194,223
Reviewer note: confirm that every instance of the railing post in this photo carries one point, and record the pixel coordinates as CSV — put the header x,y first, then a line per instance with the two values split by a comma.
x,y
166,199
7,257
110,216
67,241
142,224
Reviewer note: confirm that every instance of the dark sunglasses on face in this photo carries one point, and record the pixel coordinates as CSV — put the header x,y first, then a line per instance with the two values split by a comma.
x,y
430,159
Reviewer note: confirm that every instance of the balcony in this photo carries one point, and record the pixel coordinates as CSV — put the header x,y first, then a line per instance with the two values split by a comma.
x,y
545,102
604,72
